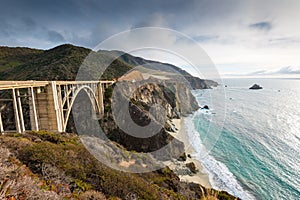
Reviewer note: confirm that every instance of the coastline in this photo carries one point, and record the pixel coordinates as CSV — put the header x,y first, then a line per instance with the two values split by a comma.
x,y
200,177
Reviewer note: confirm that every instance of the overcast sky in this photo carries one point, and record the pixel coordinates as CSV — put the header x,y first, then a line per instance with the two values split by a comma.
x,y
241,37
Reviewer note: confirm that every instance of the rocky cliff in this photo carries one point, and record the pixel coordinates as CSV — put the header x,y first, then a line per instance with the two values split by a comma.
x,y
150,105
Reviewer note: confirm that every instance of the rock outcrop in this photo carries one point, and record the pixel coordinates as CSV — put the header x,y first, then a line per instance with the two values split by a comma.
x,y
205,107
133,76
255,87
192,167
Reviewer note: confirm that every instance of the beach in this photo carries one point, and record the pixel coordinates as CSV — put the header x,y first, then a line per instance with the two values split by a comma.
x,y
178,166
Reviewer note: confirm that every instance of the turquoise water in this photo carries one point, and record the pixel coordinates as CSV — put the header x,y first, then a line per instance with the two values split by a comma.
x,y
249,140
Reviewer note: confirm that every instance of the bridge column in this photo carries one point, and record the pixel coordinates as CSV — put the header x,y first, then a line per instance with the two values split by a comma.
x,y
1,124
20,110
16,111
33,112
100,99
55,121
60,105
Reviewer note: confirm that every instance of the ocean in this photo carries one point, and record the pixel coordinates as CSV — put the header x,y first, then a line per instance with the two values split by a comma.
x,y
249,140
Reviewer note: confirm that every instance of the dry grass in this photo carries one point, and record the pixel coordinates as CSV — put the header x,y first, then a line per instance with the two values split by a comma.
x,y
17,182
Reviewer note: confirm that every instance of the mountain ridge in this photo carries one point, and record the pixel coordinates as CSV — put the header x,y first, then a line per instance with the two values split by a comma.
x,y
64,61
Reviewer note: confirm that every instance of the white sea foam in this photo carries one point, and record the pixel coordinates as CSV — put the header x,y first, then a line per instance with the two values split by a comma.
x,y
219,175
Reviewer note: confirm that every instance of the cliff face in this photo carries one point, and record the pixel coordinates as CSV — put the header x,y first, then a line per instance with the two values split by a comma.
x,y
150,106
197,83
175,98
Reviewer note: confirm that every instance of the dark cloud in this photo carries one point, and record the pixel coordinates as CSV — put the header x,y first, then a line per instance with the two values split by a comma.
x,y
4,29
151,21
88,22
54,36
265,26
28,24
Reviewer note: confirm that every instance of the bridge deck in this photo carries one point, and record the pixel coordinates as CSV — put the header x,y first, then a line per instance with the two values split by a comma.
x,y
4,85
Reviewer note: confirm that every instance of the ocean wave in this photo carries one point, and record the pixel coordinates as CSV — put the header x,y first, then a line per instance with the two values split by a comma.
x,y
219,175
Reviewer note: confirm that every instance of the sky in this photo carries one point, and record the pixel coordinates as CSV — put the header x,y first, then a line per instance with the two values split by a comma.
x,y
242,37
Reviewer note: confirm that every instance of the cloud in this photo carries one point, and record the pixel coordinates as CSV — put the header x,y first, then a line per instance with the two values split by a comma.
x,y
54,36
265,26
289,70
155,20
28,24
283,71
229,31
205,38
260,72
4,29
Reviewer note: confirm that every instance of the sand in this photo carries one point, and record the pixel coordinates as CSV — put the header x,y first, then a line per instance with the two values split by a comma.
x,y
200,177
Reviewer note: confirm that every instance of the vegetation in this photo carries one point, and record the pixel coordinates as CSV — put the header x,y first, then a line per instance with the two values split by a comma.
x,y
58,166
59,63
12,57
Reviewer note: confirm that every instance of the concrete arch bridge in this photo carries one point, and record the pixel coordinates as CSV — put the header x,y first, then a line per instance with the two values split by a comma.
x,y
50,102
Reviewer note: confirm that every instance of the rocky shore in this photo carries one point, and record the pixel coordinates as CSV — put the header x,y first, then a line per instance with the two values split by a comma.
x,y
190,170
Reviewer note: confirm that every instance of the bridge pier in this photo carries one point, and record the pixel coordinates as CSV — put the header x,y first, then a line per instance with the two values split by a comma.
x,y
49,110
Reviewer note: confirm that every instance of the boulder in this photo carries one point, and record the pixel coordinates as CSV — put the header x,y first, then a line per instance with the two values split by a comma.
x,y
182,157
192,167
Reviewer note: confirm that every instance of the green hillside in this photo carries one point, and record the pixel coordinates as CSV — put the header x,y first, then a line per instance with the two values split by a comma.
x,y
12,57
59,63
64,61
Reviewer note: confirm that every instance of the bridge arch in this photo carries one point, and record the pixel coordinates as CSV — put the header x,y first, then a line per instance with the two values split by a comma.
x,y
92,97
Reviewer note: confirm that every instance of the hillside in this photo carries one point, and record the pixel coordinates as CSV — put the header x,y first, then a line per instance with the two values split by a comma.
x,y
12,57
173,71
44,165
64,61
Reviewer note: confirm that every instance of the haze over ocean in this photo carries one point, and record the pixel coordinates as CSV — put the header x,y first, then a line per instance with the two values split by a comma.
x,y
256,155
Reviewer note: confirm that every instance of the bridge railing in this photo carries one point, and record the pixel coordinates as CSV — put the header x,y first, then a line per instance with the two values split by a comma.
x,y
6,85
